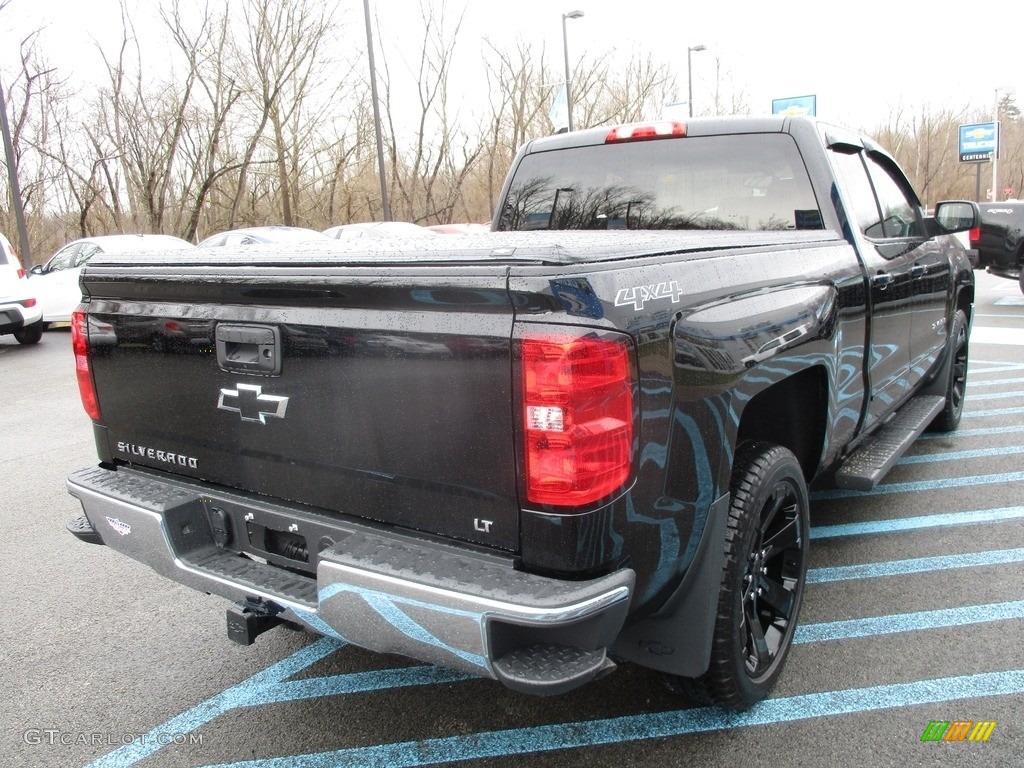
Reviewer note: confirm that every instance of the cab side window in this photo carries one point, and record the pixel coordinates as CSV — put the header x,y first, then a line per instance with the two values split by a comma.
x,y
882,208
859,194
901,216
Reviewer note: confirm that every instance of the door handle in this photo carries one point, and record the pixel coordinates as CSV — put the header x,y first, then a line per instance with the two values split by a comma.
x,y
882,280
918,270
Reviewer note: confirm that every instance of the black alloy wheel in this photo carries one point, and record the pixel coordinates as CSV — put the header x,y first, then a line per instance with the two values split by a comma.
x,y
956,382
766,551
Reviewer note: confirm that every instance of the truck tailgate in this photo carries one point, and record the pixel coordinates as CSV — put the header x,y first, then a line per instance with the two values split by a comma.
x,y
384,394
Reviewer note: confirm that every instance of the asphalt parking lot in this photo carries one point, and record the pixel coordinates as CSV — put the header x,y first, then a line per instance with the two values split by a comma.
x,y
914,614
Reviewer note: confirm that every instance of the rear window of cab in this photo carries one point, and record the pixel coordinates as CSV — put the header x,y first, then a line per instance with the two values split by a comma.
x,y
730,182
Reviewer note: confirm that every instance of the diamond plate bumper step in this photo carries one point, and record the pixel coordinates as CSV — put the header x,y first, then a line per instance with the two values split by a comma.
x,y
864,468
549,669
82,529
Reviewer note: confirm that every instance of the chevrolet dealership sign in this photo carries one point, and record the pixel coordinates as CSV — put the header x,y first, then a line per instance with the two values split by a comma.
x,y
978,142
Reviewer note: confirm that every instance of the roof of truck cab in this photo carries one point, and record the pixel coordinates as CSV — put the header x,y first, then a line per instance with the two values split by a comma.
x,y
697,126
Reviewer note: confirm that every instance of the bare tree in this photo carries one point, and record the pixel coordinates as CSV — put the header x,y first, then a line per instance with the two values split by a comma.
x,y
517,111
345,168
628,92
281,66
88,192
426,177
925,143
205,48
726,97
1011,141
935,165
259,119
32,99
145,122
590,85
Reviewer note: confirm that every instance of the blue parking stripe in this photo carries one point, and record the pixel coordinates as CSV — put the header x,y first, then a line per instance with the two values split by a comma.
x,y
356,682
974,397
968,414
916,565
979,432
993,382
231,698
923,485
980,453
272,685
993,366
873,626
915,523
269,687
659,725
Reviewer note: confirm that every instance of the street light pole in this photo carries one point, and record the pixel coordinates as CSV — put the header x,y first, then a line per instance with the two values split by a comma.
x,y
565,49
689,74
385,208
995,154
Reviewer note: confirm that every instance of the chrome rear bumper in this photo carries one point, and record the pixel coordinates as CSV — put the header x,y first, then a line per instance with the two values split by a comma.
x,y
382,590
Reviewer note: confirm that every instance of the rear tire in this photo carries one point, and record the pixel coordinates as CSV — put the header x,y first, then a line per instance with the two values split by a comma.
x,y
956,380
762,579
30,334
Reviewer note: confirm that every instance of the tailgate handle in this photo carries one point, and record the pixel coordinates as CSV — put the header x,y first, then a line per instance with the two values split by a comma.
x,y
252,349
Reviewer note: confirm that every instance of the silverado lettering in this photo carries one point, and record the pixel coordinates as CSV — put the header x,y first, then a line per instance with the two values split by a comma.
x,y
165,457
586,435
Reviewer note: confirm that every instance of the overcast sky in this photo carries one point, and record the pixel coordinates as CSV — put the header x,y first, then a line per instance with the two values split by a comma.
x,y
862,60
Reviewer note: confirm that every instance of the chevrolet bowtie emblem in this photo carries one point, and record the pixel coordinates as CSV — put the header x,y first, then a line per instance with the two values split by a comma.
x,y
249,402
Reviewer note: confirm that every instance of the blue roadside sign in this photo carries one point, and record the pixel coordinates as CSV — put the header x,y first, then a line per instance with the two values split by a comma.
x,y
795,106
979,142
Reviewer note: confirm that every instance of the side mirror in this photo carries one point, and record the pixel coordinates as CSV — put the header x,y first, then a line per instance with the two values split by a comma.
x,y
36,270
957,216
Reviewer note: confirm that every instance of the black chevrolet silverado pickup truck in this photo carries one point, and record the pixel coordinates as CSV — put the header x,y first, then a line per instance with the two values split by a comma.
x,y
999,239
583,438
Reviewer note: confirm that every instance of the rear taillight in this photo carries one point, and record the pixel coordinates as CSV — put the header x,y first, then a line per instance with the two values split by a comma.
x,y
578,417
80,345
974,235
21,273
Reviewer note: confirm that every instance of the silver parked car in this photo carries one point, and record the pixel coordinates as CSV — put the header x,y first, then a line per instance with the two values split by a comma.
x,y
261,236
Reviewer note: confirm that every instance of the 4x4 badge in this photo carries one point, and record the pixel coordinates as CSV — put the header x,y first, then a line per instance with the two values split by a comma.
x,y
249,402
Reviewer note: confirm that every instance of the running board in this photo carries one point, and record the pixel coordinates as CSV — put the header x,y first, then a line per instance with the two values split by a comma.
x,y
864,468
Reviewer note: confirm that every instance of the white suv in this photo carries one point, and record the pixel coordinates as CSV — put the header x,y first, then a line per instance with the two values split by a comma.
x,y
20,313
